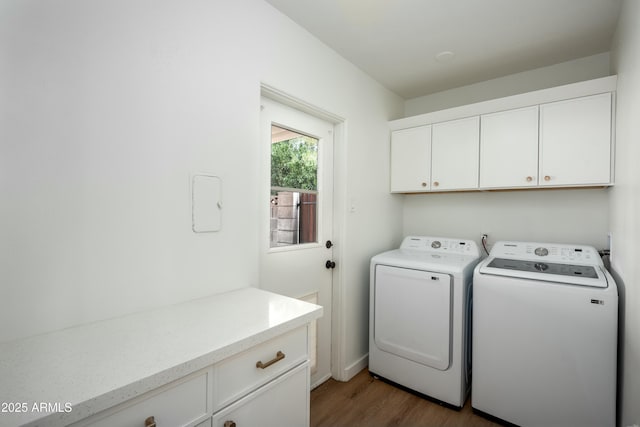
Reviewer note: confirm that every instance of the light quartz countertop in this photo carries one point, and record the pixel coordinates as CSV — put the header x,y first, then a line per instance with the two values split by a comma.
x,y
93,367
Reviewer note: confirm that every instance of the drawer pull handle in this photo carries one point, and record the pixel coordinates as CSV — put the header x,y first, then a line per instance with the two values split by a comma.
x,y
150,422
229,424
279,357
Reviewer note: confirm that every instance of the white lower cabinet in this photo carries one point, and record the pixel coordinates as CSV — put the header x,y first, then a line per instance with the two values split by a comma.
x,y
282,402
264,385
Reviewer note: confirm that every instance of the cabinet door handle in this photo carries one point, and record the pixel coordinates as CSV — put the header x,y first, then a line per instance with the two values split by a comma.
x,y
529,178
547,178
150,422
279,357
424,184
436,183
229,424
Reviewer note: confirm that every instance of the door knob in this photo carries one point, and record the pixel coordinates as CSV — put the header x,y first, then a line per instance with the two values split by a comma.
x,y
329,244
330,264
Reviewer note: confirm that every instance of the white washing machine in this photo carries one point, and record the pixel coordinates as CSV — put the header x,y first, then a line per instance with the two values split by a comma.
x,y
545,320
419,316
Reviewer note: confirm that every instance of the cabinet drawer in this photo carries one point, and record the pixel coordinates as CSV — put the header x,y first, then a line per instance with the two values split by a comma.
x,y
283,402
181,403
239,375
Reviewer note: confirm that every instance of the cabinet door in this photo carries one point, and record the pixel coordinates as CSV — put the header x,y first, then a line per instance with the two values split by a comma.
x,y
509,149
410,159
575,141
455,154
282,402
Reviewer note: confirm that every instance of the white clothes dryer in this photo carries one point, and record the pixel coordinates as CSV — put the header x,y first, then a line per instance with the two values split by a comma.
x,y
545,322
419,332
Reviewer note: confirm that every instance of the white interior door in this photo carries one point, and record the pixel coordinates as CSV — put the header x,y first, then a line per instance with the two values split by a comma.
x,y
295,258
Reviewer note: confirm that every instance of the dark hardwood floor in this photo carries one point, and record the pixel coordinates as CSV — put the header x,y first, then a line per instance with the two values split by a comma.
x,y
368,402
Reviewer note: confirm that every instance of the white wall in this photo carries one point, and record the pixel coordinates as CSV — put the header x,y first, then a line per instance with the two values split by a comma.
x,y
561,216
107,107
581,69
625,206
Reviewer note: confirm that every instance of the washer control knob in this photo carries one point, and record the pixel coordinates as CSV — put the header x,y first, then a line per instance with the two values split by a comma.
x,y
436,244
541,251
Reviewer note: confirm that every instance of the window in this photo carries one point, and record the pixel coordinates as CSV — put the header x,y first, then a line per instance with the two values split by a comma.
x,y
294,187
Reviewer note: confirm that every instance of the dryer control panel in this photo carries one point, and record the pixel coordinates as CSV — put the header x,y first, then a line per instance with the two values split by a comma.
x,y
437,244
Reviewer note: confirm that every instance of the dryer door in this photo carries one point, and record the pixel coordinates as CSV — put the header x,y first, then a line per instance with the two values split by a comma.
x,y
412,315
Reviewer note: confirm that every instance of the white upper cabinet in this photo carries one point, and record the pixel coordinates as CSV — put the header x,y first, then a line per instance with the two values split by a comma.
x,y
556,137
411,159
575,141
509,149
441,157
454,154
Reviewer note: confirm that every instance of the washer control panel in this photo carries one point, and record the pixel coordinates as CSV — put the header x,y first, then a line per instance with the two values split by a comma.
x,y
546,252
440,245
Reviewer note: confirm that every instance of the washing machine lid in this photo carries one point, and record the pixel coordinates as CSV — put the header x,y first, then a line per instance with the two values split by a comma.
x,y
570,264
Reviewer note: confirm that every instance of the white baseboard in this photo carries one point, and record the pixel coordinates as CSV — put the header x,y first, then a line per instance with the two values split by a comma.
x,y
353,369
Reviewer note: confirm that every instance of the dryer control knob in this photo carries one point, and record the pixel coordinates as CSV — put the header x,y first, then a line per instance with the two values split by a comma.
x,y
541,251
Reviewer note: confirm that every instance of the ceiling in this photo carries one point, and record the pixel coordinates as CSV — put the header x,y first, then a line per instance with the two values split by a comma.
x,y
397,41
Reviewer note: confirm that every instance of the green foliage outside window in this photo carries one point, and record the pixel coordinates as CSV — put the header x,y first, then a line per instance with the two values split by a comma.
x,y
294,163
